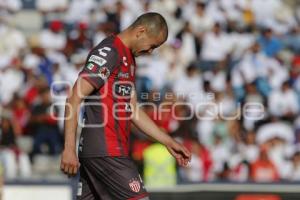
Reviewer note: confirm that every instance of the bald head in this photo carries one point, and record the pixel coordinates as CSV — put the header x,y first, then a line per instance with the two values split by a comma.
x,y
155,24
146,33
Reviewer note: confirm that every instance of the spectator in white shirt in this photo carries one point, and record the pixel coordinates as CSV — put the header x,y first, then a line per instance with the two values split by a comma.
x,y
264,11
253,100
215,12
188,44
249,149
256,67
12,41
252,65
189,84
232,9
239,170
283,102
294,168
10,6
217,78
126,15
214,47
11,81
227,105
51,6
54,38
51,10
220,154
79,10
200,21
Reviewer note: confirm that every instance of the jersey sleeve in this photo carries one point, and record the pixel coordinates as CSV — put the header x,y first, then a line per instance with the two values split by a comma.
x,y
99,65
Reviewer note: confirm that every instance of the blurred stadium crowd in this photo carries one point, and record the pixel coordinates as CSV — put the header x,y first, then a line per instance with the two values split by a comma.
x,y
227,84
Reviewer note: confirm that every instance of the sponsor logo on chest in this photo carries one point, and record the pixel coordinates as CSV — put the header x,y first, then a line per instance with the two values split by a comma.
x,y
123,89
123,75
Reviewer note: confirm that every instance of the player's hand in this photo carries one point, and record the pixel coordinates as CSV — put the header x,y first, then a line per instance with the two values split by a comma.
x,y
69,162
182,155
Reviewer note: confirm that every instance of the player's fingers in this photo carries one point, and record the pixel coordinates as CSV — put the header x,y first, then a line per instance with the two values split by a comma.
x,y
70,170
182,162
186,162
179,160
173,153
186,152
75,169
62,166
66,169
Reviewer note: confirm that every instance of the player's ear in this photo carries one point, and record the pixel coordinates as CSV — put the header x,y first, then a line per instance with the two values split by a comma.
x,y
140,30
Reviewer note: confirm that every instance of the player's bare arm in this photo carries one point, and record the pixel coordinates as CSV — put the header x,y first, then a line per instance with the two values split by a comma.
x,y
69,160
143,122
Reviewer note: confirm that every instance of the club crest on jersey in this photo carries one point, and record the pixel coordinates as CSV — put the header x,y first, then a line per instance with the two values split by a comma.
x,y
104,72
135,185
98,60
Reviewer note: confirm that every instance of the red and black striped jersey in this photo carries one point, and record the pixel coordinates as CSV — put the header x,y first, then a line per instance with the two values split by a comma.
x,y
110,68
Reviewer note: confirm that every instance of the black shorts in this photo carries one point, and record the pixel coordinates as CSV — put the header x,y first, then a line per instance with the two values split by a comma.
x,y
110,178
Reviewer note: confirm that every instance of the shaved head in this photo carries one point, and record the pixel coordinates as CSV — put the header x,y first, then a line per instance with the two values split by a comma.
x,y
146,33
154,22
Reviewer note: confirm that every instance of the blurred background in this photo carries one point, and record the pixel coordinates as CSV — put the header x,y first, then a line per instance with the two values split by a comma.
x,y
239,57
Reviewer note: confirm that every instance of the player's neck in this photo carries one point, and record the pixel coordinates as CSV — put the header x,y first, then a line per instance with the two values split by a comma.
x,y
124,36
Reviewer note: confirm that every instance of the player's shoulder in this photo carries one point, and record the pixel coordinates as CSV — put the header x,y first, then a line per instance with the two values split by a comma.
x,y
106,46
104,52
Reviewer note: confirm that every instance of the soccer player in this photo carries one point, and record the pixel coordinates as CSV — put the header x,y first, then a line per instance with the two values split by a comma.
x,y
106,83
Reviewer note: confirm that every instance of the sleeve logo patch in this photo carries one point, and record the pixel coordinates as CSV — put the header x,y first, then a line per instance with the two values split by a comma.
x,y
91,66
103,51
98,60
104,72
